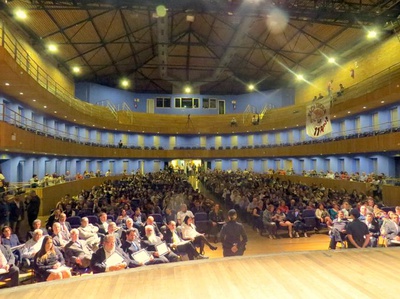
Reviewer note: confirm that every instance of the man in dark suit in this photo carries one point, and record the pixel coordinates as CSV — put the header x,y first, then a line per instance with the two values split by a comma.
x,y
7,264
233,236
17,213
33,205
132,245
77,252
99,259
178,245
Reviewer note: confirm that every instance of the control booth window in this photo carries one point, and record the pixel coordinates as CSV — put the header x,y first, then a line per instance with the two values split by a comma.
x,y
209,103
163,102
186,103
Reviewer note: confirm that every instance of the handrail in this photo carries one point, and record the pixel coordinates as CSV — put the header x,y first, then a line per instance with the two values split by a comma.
x,y
14,118
25,61
22,58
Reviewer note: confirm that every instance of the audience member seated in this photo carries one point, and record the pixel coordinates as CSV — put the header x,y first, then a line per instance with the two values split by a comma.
x,y
49,262
283,222
8,269
178,245
197,207
37,224
169,215
374,229
114,230
101,261
269,220
132,245
150,221
180,216
77,253
60,238
299,226
54,217
189,232
103,224
338,231
150,240
357,231
390,229
10,239
88,232
129,225
233,122
333,211
122,218
217,219
65,226
138,218
322,215
32,246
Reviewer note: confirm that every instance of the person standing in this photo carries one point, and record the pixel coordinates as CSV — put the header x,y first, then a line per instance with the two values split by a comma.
x,y
16,214
233,236
357,231
32,208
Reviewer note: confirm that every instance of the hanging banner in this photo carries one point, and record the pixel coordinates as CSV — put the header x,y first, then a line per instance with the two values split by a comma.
x,y
318,121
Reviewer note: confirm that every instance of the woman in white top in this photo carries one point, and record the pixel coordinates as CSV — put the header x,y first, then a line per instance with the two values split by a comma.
x,y
189,232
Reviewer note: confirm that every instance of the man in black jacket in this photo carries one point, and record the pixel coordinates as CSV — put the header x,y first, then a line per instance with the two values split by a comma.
x,y
233,236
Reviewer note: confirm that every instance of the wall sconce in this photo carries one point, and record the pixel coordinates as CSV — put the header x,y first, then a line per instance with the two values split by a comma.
x,y
136,101
234,104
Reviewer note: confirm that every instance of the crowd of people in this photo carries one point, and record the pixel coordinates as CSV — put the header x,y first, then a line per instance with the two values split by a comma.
x,y
267,203
118,229
123,222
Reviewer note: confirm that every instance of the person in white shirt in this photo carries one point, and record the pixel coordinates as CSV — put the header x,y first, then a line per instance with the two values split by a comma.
x,y
189,232
33,245
88,232
180,216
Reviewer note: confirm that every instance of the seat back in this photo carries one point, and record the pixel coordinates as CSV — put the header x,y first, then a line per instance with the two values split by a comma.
x,y
74,221
157,219
93,219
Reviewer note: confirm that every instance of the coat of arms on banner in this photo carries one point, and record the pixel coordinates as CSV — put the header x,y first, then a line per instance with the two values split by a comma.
x,y
318,119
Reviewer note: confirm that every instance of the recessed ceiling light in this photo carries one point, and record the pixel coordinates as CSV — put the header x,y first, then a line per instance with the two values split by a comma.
x,y
34,100
7,84
382,102
55,112
365,107
21,93
348,112
74,119
45,107
20,14
52,48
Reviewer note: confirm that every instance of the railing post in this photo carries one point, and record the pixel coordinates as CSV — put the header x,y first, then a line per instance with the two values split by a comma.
x,y
2,34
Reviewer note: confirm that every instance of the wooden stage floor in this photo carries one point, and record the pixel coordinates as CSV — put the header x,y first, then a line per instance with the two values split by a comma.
x,y
282,268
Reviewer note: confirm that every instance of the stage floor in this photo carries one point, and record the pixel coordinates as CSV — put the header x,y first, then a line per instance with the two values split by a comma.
x,y
367,273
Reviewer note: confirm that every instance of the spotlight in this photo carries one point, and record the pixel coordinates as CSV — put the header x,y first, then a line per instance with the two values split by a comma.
x,y
300,77
372,34
52,48
331,60
188,89
251,87
125,83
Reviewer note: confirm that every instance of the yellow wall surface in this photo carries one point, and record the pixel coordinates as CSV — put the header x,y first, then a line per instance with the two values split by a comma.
x,y
372,60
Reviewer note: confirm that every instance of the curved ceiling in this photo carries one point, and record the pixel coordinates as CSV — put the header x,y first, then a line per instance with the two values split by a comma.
x,y
217,46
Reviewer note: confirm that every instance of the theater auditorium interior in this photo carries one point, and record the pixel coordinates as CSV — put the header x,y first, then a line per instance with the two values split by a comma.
x,y
267,107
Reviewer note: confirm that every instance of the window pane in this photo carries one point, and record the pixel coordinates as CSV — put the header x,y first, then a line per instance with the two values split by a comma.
x,y
195,103
205,103
177,102
213,103
187,103
167,103
159,103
